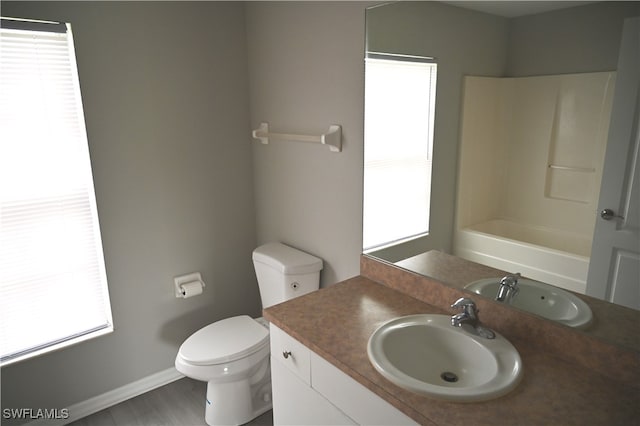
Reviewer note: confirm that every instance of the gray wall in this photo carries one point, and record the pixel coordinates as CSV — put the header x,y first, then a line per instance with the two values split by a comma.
x,y
306,71
167,110
575,40
464,42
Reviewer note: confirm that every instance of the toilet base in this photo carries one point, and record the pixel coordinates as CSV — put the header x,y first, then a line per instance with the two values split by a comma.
x,y
238,402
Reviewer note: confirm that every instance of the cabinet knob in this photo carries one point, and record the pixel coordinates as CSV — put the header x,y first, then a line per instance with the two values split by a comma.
x,y
286,354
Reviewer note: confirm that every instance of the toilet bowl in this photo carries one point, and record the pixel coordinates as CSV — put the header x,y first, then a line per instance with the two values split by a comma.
x,y
232,355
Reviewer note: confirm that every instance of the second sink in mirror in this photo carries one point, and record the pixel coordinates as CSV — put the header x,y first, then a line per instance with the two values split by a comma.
x,y
541,299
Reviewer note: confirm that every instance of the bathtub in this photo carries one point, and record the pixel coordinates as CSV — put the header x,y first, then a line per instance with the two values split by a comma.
x,y
549,255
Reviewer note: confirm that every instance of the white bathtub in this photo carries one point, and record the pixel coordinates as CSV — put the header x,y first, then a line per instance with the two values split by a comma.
x,y
548,255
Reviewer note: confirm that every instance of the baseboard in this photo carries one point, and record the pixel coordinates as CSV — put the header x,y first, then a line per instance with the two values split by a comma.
x,y
113,397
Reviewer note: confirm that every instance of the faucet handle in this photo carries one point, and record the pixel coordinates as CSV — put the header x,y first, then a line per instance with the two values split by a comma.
x,y
463,302
511,279
467,305
469,318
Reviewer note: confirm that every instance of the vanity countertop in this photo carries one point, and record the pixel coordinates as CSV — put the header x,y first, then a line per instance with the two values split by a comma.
x,y
336,323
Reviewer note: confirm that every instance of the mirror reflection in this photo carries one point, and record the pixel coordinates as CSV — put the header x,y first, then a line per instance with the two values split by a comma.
x,y
530,165
397,176
522,125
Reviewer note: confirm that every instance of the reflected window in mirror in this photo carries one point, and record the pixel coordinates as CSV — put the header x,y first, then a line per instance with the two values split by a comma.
x,y
400,93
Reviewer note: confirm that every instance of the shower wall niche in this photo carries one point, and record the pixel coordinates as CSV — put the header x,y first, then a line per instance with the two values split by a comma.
x,y
530,165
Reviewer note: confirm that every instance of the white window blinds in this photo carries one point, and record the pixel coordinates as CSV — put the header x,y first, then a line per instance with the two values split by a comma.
x,y
53,287
400,97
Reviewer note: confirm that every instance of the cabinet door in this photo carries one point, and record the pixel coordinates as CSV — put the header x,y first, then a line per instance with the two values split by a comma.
x,y
291,353
295,403
358,402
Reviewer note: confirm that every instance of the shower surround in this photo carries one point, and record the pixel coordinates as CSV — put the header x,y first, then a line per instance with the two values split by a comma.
x,y
530,165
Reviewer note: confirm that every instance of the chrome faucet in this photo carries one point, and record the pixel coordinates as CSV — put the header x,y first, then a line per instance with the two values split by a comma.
x,y
468,319
508,288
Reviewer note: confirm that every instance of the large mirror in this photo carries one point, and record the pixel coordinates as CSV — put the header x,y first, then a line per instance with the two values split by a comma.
x,y
526,45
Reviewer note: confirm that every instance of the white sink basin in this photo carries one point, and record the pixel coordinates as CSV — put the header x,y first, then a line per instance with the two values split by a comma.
x,y
427,355
541,299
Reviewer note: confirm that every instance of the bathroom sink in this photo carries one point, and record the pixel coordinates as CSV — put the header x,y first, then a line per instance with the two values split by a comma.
x,y
541,299
427,355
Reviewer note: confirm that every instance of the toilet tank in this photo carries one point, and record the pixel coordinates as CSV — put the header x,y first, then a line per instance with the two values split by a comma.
x,y
284,272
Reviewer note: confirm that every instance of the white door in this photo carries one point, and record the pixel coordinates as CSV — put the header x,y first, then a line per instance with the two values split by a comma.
x,y
614,271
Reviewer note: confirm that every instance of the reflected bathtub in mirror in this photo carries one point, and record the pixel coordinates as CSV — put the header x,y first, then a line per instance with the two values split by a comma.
x,y
552,256
532,150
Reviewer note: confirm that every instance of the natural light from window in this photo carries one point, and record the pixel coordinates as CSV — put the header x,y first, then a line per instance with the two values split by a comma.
x,y
399,119
52,273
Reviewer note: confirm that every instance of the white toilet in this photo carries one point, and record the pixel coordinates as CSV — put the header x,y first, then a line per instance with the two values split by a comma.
x,y
232,354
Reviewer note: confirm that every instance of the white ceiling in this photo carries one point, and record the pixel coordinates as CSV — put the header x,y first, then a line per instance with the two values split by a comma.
x,y
511,9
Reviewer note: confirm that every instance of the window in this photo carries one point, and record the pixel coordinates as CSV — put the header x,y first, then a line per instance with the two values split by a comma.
x,y
52,275
400,93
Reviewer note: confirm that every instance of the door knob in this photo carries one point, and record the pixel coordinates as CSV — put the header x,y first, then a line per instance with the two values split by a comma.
x,y
608,214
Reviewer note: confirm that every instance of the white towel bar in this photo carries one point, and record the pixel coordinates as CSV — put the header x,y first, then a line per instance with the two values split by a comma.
x,y
333,137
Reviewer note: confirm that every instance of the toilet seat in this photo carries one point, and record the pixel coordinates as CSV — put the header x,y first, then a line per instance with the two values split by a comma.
x,y
224,341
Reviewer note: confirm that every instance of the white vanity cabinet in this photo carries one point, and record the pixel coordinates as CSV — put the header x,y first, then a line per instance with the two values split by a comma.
x,y
307,390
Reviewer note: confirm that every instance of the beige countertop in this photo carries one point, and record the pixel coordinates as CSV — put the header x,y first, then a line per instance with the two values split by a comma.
x,y
336,323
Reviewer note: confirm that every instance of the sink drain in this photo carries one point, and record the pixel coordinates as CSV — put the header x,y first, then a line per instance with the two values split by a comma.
x,y
448,376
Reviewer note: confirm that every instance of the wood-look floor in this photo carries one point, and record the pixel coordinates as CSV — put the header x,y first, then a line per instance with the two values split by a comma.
x,y
180,403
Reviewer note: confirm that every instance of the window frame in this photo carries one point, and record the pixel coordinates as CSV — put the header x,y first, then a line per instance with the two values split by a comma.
x,y
21,203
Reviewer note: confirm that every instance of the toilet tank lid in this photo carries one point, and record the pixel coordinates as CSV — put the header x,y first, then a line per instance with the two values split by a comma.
x,y
287,260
